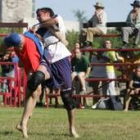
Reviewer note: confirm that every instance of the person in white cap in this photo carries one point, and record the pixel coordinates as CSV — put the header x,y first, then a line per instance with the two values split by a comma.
x,y
98,23
133,31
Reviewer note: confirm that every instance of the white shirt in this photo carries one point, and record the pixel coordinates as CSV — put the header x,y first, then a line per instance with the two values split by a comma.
x,y
58,50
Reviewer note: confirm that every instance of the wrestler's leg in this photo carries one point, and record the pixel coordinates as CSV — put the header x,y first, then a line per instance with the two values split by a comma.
x,y
69,105
28,109
71,118
34,91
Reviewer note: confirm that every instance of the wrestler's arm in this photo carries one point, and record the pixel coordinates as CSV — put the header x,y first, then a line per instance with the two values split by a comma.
x,y
49,22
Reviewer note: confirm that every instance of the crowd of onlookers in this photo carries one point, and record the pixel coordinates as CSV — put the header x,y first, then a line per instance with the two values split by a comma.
x,y
8,70
96,26
94,65
97,65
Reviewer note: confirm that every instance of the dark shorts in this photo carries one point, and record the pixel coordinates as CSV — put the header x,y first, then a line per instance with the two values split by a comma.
x,y
60,73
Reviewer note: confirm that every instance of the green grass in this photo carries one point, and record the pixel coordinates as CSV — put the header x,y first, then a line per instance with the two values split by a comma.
x,y
51,124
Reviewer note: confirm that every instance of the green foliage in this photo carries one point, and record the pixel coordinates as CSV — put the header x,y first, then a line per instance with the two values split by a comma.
x,y
116,41
80,15
9,30
72,37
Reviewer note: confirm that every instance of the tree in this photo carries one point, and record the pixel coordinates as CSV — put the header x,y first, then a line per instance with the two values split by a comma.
x,y
72,37
80,15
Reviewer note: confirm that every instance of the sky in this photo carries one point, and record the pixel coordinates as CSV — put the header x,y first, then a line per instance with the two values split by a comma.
x,y
117,10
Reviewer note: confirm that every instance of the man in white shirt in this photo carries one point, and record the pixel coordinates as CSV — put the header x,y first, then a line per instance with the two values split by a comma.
x,y
134,31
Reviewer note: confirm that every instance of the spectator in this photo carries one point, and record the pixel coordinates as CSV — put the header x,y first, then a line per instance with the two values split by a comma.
x,y
99,87
98,72
110,68
129,57
76,46
133,18
14,59
80,68
133,88
96,25
5,71
8,70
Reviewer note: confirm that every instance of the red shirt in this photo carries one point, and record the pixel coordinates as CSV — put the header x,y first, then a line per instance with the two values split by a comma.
x,y
29,56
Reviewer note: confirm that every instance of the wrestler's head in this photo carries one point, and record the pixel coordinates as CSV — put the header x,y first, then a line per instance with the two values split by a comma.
x,y
13,40
44,14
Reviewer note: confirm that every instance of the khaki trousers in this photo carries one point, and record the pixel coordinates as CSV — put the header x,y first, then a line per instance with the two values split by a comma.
x,y
91,32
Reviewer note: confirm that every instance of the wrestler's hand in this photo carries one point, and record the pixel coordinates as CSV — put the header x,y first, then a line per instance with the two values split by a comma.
x,y
33,29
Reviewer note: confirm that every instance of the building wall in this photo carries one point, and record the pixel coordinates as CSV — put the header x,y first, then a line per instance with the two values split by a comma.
x,y
15,10
0,9
72,25
23,10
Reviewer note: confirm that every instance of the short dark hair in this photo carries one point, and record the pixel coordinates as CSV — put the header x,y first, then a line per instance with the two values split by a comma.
x,y
45,10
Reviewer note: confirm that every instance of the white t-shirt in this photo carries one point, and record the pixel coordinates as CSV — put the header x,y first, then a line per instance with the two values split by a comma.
x,y
58,50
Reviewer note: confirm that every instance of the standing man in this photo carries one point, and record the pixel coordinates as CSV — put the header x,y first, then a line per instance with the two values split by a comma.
x,y
98,72
133,18
97,24
53,68
110,69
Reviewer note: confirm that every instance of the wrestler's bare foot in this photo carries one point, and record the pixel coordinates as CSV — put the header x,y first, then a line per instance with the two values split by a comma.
x,y
23,129
125,110
74,133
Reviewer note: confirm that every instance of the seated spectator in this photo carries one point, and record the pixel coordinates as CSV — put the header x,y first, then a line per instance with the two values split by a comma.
x,y
80,68
133,31
134,87
96,25
129,57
